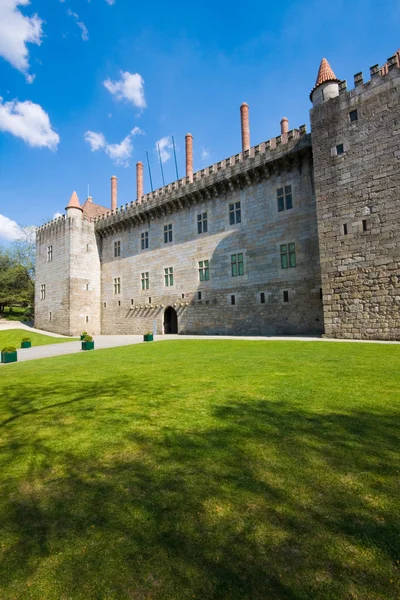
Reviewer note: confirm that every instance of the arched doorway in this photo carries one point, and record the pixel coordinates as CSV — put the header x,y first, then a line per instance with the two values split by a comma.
x,y
170,320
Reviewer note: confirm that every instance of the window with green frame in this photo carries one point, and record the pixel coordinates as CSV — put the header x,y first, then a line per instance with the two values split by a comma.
x,y
169,276
145,280
237,266
288,255
204,270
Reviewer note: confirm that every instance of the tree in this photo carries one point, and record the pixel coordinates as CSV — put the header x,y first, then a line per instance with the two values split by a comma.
x,y
17,271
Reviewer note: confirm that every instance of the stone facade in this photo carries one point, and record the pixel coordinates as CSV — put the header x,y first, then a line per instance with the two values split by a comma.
x,y
341,221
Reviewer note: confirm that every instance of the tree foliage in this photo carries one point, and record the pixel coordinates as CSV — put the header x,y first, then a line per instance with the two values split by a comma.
x,y
17,272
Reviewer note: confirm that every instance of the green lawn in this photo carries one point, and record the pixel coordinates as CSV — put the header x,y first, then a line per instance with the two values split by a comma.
x,y
218,470
13,337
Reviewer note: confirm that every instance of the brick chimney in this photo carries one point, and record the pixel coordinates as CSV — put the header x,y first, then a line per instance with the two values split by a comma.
x,y
139,180
189,156
244,116
284,125
114,192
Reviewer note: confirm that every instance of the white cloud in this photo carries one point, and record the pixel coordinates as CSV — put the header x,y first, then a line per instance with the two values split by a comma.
x,y
110,2
29,122
119,153
57,214
16,31
205,154
81,25
165,145
9,230
130,88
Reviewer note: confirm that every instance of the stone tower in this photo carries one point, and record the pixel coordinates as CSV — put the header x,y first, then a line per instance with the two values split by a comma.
x,y
68,274
356,155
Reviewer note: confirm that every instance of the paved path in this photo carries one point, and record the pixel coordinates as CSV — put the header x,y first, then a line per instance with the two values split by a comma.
x,y
113,341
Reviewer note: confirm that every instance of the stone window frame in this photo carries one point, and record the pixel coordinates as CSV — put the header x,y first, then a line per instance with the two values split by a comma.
x,y
168,236
116,286
144,281
202,222
285,296
235,212
237,262
43,291
144,240
117,248
284,192
334,150
168,276
203,270
288,253
352,112
50,253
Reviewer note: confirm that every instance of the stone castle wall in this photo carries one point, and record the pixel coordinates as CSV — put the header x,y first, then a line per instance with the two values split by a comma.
x,y
358,207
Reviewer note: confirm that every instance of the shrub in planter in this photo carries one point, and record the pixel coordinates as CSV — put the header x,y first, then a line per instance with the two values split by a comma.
x,y
26,342
87,343
83,335
9,354
148,337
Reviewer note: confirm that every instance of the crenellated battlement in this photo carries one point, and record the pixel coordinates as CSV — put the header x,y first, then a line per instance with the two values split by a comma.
x,y
54,224
240,169
378,76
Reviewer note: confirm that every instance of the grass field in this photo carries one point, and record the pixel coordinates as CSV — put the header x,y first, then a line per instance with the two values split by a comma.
x,y
218,470
13,337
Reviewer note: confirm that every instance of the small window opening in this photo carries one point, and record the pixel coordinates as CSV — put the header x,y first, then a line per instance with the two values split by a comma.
x,y
132,302
353,115
87,319
119,302
183,295
339,149
87,287
87,247
364,225
345,228
262,298
105,304
233,299
286,296
198,295
320,293
49,316
149,300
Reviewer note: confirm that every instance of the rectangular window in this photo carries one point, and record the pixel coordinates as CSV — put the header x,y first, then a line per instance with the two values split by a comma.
x,y
237,266
339,149
345,228
167,233
365,225
117,285
204,270
235,213
202,226
87,247
49,253
132,302
353,116
169,276
286,296
198,295
284,198
144,277
144,240
288,256
43,291
117,249
233,299
49,316
262,298
105,304
87,287
149,299
87,319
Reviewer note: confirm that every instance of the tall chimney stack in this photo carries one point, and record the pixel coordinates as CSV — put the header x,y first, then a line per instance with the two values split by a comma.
x,y
284,125
189,156
139,180
244,115
114,192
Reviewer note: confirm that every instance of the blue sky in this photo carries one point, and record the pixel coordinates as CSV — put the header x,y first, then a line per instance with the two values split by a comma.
x,y
134,73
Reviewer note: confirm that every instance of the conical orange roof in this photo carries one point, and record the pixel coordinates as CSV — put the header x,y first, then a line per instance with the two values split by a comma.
x,y
74,201
325,74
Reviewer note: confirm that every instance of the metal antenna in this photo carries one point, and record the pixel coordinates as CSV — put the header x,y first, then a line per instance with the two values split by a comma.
x,y
162,170
148,164
176,164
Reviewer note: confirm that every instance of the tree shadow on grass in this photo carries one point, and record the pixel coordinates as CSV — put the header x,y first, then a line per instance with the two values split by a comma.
x,y
269,502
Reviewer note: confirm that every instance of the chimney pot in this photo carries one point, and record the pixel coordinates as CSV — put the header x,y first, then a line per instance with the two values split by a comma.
x,y
114,192
189,156
244,114
284,125
139,180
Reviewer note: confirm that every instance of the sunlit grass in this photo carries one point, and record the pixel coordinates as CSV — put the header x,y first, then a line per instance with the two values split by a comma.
x,y
13,337
202,469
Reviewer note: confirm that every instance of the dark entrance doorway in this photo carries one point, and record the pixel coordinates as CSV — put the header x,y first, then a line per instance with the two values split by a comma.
x,y
170,320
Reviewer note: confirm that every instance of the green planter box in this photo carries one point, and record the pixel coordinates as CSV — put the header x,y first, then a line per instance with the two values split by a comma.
x,y
148,337
26,344
8,357
87,345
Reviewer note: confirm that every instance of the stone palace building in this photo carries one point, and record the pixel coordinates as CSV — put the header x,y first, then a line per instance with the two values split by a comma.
x,y
297,235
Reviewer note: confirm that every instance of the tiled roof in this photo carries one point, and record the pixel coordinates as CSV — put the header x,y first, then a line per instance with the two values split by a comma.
x,y
91,209
74,201
325,74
